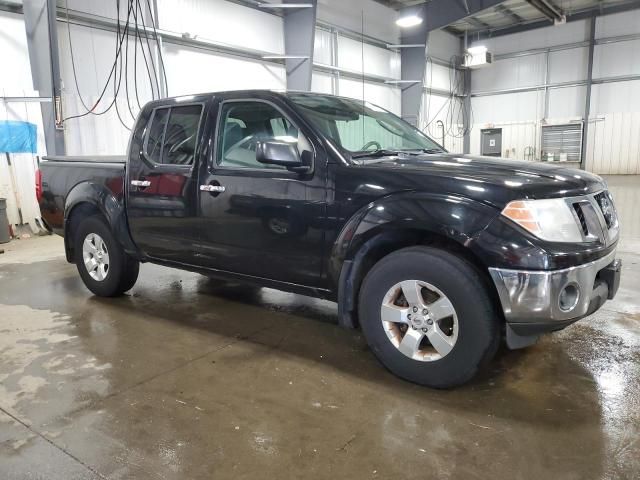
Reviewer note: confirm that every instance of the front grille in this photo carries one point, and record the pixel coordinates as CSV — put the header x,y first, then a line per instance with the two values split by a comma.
x,y
605,202
581,219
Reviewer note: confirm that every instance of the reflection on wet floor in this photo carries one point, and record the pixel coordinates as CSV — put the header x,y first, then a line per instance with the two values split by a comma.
x,y
188,377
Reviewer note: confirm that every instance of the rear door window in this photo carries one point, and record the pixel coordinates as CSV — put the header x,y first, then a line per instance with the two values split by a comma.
x,y
173,135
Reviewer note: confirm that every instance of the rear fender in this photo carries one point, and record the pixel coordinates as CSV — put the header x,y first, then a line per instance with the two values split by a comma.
x,y
97,197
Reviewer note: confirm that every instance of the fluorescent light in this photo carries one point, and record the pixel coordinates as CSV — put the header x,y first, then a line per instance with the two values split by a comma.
x,y
477,50
285,57
408,21
406,45
402,81
285,5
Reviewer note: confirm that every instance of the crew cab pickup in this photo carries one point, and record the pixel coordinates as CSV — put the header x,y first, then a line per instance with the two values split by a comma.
x,y
435,256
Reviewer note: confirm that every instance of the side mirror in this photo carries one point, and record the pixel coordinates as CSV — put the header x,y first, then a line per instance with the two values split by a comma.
x,y
277,152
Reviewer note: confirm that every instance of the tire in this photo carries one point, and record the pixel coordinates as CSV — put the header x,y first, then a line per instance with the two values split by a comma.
x,y
468,334
121,270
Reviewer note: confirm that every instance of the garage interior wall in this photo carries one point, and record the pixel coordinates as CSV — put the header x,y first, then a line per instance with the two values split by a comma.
x,y
441,117
338,57
559,55
17,170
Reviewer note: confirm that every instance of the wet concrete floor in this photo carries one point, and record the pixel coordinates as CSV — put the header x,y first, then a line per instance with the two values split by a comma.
x,y
188,378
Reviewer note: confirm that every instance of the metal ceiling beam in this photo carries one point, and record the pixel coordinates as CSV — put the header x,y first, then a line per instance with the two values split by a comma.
x,y
441,13
507,12
477,22
547,8
574,16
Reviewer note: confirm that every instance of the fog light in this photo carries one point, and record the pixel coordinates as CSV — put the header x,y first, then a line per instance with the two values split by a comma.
x,y
569,297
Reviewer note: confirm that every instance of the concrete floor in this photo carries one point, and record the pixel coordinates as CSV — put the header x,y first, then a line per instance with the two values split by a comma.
x,y
188,378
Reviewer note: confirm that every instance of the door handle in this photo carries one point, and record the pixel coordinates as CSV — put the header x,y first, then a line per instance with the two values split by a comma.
x,y
140,183
213,188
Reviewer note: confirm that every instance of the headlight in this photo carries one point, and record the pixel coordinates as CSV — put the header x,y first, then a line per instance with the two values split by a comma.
x,y
549,219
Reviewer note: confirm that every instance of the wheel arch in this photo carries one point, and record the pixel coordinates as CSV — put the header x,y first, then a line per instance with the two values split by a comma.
x,y
87,199
440,221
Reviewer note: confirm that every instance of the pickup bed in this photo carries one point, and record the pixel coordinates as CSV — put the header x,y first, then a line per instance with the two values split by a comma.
x,y
435,256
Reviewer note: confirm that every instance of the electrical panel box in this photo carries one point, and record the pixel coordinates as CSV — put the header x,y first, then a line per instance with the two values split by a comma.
x,y
491,139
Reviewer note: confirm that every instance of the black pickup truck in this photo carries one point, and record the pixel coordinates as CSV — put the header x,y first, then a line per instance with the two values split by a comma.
x,y
435,256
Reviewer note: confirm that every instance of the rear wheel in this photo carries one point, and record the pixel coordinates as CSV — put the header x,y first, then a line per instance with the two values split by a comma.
x,y
428,317
103,265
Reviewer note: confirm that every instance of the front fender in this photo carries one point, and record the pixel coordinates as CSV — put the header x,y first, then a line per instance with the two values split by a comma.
x,y
454,217
107,203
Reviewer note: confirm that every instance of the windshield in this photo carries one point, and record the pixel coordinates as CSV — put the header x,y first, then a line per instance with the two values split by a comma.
x,y
359,128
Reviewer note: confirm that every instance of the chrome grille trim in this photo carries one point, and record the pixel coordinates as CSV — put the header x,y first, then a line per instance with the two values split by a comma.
x,y
595,223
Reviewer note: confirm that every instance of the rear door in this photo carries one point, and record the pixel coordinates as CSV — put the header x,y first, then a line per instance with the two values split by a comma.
x,y
262,220
162,182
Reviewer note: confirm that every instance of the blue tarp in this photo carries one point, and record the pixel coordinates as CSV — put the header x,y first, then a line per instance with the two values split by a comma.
x,y
17,137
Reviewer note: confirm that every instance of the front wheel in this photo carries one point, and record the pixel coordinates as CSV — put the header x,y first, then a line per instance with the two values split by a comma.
x,y
103,264
428,317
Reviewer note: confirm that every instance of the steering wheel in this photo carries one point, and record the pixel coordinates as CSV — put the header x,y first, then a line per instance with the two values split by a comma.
x,y
372,143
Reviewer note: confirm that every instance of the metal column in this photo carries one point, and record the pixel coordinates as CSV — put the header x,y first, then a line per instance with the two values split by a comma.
x,y
42,42
413,63
299,36
587,103
466,120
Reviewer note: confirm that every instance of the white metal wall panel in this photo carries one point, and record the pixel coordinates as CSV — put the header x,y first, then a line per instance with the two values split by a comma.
x,y
512,107
615,97
322,47
378,61
101,8
216,72
516,72
626,23
438,77
567,103
94,52
568,65
322,83
224,22
615,59
614,143
436,108
627,201
16,69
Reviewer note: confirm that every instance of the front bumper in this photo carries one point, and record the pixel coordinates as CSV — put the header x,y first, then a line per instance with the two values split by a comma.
x,y
533,301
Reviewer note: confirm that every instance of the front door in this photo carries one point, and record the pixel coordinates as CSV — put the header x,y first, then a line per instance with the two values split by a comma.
x,y
261,220
162,183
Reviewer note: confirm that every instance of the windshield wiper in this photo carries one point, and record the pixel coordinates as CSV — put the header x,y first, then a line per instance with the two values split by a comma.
x,y
376,153
433,150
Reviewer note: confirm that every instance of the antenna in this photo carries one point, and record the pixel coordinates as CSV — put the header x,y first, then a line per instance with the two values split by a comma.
x,y
362,54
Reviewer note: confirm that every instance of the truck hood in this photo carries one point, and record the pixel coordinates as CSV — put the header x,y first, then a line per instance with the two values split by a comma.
x,y
488,179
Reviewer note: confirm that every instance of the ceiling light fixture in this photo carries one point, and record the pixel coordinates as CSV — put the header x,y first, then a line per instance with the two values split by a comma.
x,y
477,50
408,21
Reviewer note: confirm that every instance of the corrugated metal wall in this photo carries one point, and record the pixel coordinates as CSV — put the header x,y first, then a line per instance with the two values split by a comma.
x,y
613,140
17,170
